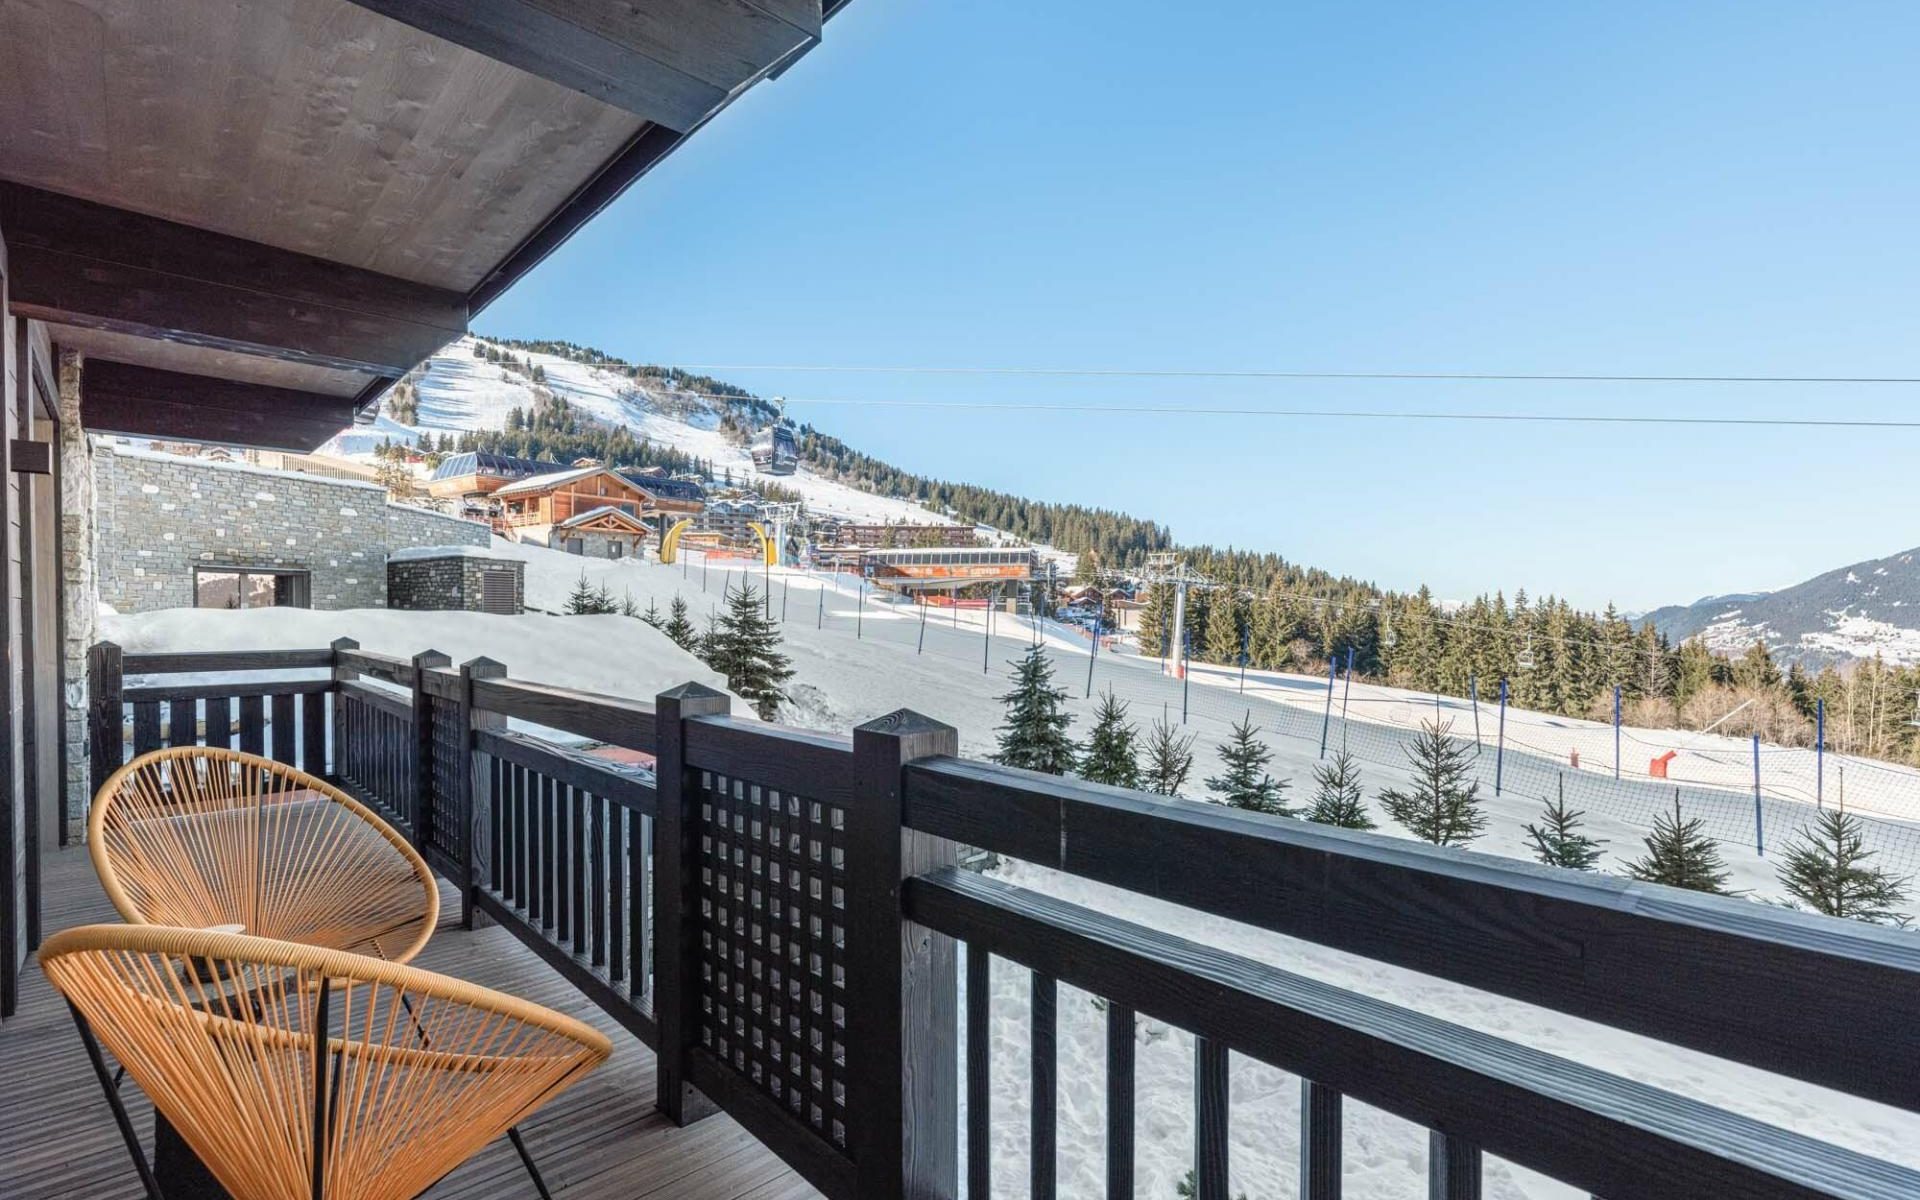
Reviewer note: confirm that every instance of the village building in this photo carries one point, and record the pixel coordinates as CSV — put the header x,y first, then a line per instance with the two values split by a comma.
x,y
590,511
477,474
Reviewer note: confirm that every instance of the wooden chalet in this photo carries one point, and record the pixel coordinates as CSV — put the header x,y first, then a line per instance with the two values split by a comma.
x,y
592,511
241,223
475,475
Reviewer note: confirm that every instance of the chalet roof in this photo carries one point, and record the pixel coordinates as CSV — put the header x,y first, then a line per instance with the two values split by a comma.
x,y
666,489
483,462
253,219
554,479
605,512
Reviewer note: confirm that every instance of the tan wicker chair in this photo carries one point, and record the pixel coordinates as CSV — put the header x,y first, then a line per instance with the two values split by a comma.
x,y
205,838
416,1071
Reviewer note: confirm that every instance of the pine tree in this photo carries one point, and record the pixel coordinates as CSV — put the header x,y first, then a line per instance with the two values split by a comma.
x,y
603,600
1222,644
680,628
583,599
1680,854
1169,760
1111,756
1338,798
627,606
1245,782
1035,733
1558,841
652,615
1443,807
1189,1187
744,646
1826,869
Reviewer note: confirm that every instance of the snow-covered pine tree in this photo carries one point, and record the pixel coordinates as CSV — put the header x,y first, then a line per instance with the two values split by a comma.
x,y
1337,798
1169,760
1111,756
1245,782
1826,870
1557,840
680,628
1680,854
1035,733
583,599
744,646
652,615
1443,807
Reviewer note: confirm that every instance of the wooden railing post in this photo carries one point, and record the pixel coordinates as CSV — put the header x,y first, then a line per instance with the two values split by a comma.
x,y
423,797
676,898
106,683
479,816
902,1013
337,764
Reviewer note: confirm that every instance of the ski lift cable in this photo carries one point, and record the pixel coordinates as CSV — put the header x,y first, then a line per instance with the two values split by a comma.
x,y
1357,414
1404,376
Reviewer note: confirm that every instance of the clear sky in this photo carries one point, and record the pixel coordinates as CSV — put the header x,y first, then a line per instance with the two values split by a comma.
x,y
1622,188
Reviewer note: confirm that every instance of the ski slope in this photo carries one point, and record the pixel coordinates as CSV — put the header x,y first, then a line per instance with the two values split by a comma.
x,y
458,392
856,659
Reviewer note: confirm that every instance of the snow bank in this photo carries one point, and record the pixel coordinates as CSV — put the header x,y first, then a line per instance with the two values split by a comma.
x,y
410,553
614,656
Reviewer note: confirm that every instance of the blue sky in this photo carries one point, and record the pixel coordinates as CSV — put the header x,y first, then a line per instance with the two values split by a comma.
x,y
1624,188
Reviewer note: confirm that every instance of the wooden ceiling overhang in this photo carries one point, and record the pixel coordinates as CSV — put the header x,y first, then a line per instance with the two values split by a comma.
x,y
252,218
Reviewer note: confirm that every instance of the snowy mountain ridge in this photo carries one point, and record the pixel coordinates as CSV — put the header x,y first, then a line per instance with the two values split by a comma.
x,y
1857,611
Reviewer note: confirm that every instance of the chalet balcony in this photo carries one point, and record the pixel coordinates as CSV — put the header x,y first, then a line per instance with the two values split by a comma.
x,y
775,932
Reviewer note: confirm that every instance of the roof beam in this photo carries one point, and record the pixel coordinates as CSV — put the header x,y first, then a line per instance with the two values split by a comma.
x,y
148,402
74,262
671,62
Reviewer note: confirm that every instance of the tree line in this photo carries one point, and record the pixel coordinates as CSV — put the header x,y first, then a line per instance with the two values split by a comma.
x,y
1826,867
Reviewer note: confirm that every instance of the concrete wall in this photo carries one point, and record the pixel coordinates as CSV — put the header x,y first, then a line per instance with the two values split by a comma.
x,y
160,517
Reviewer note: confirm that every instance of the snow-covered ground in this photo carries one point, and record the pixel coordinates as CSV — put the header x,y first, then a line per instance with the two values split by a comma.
x,y
856,658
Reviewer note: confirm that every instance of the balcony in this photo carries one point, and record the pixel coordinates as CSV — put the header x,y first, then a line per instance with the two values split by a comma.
x,y
776,930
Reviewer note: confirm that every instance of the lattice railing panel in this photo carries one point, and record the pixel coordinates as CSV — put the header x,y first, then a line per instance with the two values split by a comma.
x,y
773,896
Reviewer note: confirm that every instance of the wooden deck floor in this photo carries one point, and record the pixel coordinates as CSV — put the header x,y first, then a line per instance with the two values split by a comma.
x,y
600,1141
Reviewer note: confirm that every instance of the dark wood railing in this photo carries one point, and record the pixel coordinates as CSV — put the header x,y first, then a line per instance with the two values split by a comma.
x,y
780,915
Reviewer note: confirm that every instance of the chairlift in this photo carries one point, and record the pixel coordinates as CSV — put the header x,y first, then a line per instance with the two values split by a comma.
x,y
1915,719
1524,661
1388,637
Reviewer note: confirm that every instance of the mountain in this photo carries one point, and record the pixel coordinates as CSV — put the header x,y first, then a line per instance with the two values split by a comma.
x,y
1857,611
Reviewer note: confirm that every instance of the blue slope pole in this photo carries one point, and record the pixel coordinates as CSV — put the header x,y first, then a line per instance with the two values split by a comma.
x,y
1820,753
1759,836
1616,731
1326,719
1093,656
1473,691
1500,752
1186,673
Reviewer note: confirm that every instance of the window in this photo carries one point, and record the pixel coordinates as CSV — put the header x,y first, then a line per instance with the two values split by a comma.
x,y
251,587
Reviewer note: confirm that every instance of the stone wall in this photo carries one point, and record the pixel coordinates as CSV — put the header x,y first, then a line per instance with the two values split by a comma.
x,y
80,595
452,580
161,516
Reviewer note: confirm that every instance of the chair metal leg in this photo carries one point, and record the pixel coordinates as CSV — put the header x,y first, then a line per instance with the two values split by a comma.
x,y
109,1085
519,1143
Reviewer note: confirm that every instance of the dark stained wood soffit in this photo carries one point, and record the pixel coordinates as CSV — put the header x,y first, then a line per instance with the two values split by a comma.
x,y
74,262
671,62
147,402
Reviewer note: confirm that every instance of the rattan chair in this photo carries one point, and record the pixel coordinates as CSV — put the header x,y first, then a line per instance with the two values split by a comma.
x,y
205,838
258,1051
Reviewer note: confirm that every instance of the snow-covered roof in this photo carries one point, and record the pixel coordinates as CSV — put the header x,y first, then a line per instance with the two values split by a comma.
x,y
553,479
414,553
485,462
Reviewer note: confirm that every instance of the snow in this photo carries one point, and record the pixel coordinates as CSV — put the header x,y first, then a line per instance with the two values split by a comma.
x,y
130,450
613,656
411,553
857,659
